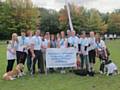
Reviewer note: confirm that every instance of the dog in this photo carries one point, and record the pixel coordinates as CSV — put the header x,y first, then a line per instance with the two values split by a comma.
x,y
78,62
11,75
81,72
111,68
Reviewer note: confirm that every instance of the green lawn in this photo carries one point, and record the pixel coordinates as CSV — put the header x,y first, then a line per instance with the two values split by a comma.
x,y
67,81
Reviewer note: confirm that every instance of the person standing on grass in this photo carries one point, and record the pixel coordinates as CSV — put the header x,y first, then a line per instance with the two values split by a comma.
x,y
91,49
84,44
63,44
21,52
29,56
44,47
11,52
37,52
101,52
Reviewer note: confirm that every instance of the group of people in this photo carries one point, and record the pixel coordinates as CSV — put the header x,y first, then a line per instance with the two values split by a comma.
x,y
31,46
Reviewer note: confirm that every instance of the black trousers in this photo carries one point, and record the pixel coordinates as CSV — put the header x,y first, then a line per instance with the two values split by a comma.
x,y
21,57
38,58
92,55
10,65
29,60
81,58
102,66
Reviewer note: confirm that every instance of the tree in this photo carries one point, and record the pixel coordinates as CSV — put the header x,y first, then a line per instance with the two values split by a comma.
x,y
63,19
16,15
49,21
114,23
79,18
95,22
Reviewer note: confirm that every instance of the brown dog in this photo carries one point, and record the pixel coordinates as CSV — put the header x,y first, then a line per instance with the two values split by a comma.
x,y
78,62
14,73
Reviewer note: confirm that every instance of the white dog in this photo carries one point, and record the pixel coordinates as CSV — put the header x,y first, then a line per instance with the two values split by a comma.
x,y
111,68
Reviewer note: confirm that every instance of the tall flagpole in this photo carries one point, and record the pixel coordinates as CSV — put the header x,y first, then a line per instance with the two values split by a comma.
x,y
69,16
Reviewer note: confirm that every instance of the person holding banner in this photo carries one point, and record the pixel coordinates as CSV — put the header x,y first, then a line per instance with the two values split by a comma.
x,y
45,45
68,37
63,44
53,41
68,33
58,40
73,40
63,40
47,37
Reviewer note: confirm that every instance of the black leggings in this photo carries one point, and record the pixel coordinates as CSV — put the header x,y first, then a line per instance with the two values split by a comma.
x,y
102,66
92,55
10,65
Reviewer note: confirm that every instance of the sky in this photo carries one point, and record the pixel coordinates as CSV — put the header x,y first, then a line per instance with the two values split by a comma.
x,y
101,5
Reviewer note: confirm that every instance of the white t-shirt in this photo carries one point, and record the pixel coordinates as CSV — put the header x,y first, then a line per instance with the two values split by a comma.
x,y
22,44
84,42
37,42
74,41
11,53
92,44
45,43
63,43
100,45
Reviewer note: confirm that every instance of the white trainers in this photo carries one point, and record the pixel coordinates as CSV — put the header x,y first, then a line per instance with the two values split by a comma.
x,y
23,73
62,71
100,72
12,78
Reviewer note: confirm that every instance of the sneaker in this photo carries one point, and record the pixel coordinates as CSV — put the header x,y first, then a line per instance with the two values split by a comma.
x,y
23,73
100,72
62,71
12,78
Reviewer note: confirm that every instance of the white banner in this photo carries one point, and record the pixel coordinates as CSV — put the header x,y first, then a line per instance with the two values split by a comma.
x,y
60,57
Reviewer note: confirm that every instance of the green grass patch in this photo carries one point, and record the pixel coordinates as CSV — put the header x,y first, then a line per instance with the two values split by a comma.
x,y
66,81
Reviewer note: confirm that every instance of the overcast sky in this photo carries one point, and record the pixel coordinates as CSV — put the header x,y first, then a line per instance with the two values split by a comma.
x,y
101,5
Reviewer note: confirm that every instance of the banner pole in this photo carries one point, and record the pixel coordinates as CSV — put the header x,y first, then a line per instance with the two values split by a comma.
x,y
69,16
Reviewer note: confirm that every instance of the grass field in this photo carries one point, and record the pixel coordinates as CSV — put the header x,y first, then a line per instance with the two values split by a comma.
x,y
67,81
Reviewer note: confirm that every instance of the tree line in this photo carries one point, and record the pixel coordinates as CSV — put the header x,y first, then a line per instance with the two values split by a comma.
x,y
22,14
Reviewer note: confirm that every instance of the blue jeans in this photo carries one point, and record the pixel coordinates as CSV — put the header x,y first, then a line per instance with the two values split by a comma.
x,y
85,62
